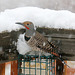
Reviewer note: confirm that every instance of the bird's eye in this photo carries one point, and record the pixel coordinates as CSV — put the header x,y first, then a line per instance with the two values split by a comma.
x,y
27,24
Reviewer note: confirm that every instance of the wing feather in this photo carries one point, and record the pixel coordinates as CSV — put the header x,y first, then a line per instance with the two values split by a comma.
x,y
36,43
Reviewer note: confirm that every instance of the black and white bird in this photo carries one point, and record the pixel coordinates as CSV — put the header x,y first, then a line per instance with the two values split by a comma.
x,y
37,41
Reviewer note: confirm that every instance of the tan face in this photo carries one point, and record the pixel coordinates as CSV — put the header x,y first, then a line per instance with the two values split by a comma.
x,y
28,24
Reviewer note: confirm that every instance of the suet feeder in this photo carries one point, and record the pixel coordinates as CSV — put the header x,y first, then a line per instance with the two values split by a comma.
x,y
36,65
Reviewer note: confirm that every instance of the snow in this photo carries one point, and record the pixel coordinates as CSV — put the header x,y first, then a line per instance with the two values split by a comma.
x,y
22,46
40,17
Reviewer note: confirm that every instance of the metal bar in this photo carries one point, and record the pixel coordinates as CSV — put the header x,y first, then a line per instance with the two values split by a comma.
x,y
46,72
24,65
29,65
49,66
54,66
19,65
35,65
40,65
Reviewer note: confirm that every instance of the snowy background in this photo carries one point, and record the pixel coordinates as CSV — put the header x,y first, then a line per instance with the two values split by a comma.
x,y
39,16
51,4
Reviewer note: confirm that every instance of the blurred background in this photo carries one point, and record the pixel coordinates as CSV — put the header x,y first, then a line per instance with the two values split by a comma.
x,y
51,4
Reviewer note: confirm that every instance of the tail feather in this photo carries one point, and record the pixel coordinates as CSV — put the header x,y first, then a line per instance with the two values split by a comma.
x,y
63,62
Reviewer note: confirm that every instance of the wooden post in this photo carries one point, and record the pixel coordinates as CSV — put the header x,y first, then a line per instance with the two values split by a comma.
x,y
59,67
2,69
14,67
71,70
65,69
55,67
8,68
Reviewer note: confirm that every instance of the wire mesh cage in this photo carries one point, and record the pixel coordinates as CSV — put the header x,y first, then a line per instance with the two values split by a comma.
x,y
36,65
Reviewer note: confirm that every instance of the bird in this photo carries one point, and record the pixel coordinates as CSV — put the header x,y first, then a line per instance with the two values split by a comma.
x,y
38,42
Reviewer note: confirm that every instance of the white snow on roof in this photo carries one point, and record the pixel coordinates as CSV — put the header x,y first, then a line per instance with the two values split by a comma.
x,y
40,17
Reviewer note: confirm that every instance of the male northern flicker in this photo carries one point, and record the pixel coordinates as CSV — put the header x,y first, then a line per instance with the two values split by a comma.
x,y
37,41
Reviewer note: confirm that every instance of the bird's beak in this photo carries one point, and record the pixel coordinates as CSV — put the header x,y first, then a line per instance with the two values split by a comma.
x,y
22,24
19,23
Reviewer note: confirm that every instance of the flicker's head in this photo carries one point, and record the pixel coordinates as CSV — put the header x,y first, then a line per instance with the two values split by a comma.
x,y
27,24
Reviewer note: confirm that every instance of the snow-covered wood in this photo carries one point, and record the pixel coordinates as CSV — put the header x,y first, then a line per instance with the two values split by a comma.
x,y
8,41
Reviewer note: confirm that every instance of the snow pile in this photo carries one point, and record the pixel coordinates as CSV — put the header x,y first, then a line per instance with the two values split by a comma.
x,y
22,46
40,17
